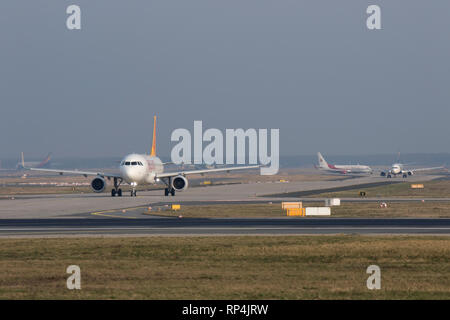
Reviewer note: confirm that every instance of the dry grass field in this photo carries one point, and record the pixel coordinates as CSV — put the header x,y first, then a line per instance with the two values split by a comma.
x,y
244,267
414,209
432,189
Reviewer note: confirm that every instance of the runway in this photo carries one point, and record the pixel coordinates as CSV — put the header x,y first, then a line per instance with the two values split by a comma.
x,y
224,226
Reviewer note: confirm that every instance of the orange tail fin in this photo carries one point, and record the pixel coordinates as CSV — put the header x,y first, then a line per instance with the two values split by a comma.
x,y
153,153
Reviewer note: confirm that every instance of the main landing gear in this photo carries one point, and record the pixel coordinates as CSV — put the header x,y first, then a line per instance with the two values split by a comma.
x,y
169,190
116,191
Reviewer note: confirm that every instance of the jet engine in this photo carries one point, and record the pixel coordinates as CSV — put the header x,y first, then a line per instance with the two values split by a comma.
x,y
179,183
410,173
98,184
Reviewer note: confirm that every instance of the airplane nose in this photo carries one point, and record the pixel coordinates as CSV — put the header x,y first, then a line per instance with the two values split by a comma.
x,y
131,174
127,173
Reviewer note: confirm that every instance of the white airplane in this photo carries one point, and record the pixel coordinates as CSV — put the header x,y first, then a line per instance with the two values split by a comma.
x,y
143,169
342,169
399,169
42,164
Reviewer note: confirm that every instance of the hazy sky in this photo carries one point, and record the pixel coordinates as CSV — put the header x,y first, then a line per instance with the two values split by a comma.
x,y
310,68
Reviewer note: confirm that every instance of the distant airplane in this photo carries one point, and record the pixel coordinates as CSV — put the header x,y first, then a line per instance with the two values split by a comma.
x,y
143,169
43,164
399,169
342,169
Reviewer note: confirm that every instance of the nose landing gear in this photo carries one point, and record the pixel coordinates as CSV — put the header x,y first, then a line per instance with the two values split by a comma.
x,y
133,191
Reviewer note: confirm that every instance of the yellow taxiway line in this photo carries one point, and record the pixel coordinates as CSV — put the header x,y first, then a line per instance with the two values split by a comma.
x,y
103,213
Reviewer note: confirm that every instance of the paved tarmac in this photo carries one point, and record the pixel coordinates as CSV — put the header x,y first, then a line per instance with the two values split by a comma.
x,y
101,214
70,205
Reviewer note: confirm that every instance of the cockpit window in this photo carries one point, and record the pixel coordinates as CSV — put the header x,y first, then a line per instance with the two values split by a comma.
x,y
131,163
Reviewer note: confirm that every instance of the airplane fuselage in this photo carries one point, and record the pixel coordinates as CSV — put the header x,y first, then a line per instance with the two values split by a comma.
x,y
140,168
347,169
342,169
397,168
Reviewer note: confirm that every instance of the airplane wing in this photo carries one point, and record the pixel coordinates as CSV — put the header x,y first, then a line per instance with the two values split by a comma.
x,y
184,173
82,173
426,169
